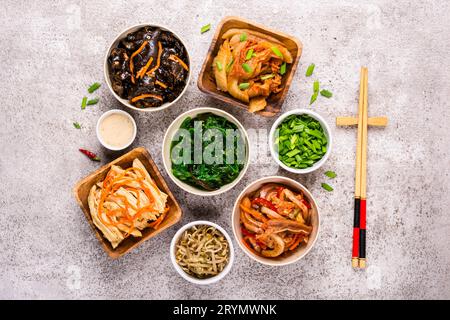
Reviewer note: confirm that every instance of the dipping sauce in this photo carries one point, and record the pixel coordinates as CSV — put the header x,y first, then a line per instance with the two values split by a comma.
x,y
116,130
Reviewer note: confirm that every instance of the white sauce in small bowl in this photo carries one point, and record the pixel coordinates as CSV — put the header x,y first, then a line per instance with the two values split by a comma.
x,y
116,129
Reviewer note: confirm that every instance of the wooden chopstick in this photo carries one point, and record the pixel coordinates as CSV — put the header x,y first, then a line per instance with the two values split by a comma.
x,y
362,219
356,217
371,122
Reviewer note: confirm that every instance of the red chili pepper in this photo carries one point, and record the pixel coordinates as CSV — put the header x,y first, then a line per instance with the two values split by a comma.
x,y
306,203
279,190
90,154
247,233
262,245
265,203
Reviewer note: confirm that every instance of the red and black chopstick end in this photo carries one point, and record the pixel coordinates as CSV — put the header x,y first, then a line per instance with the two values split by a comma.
x,y
362,230
356,231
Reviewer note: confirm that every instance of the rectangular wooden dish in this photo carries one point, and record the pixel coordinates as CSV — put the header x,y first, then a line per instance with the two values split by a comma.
x,y
206,81
83,187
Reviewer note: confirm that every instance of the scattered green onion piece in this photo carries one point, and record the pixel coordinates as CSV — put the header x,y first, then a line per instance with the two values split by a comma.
x,y
310,70
246,68
94,87
277,52
331,174
243,37
92,101
229,65
316,86
267,76
249,54
83,103
77,125
326,93
283,68
205,28
313,98
327,187
244,85
219,65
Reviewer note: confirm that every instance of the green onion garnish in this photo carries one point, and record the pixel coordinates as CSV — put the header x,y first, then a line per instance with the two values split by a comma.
x,y
316,86
313,98
92,101
277,52
94,87
327,187
244,85
83,103
77,125
205,28
229,65
310,70
283,68
243,37
331,174
301,141
249,54
326,93
219,65
246,68
267,76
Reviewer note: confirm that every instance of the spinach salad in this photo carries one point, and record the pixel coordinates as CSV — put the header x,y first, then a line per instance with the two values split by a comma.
x,y
216,136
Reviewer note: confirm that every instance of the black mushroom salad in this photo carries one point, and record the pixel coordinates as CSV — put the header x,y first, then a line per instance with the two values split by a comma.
x,y
149,67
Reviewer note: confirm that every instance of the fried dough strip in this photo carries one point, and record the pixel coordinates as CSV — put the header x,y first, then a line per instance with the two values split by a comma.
x,y
222,59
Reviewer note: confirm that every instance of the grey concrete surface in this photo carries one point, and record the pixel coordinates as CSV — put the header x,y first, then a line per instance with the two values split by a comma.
x,y
52,50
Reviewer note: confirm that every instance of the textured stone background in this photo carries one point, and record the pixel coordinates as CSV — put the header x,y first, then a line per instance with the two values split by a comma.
x,y
52,50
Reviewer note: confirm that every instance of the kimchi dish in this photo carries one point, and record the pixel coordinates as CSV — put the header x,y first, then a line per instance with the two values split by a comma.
x,y
250,66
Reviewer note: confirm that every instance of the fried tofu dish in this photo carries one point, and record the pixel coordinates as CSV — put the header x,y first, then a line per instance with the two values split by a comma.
x,y
126,202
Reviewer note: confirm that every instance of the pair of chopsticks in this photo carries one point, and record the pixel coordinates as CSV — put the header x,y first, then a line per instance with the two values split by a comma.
x,y
359,222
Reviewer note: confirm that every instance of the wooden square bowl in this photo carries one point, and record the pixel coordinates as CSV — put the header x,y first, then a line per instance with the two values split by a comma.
x,y
206,81
82,188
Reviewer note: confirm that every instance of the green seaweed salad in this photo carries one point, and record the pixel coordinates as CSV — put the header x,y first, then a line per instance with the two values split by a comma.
x,y
200,174
301,141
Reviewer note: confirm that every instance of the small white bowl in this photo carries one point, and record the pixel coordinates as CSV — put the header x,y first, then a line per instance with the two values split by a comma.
x,y
326,130
114,44
298,253
189,277
99,136
172,129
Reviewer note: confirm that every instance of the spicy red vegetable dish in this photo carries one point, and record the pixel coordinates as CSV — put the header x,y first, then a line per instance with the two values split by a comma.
x,y
275,220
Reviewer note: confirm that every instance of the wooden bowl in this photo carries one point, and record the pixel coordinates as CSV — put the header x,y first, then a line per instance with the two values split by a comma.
x,y
82,188
207,84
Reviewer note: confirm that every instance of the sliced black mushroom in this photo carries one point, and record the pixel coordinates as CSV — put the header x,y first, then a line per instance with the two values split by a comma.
x,y
149,67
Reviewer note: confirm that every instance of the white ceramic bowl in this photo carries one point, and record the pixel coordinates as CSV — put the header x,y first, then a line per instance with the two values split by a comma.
x,y
189,277
326,130
106,114
298,253
171,131
114,44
